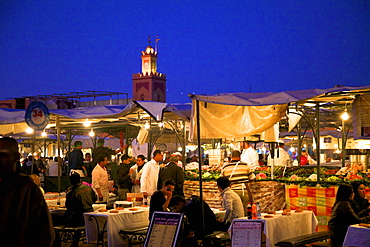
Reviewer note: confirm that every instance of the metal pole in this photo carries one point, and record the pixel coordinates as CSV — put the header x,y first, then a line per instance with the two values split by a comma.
x,y
200,166
343,145
183,145
58,146
317,137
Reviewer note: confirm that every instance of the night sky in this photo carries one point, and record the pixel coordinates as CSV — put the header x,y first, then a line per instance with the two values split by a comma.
x,y
205,47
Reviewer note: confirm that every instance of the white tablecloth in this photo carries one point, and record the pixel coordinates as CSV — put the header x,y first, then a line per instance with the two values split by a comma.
x,y
357,236
115,222
218,213
54,202
282,227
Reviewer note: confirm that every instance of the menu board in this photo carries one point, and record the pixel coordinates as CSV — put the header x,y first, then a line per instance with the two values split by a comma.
x,y
163,229
246,233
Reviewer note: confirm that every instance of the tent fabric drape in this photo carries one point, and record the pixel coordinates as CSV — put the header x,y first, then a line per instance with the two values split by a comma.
x,y
230,121
13,120
272,98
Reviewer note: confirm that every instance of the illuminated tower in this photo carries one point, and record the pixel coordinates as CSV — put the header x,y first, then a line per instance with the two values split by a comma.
x,y
149,84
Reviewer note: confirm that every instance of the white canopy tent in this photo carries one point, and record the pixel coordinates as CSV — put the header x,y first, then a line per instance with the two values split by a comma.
x,y
13,120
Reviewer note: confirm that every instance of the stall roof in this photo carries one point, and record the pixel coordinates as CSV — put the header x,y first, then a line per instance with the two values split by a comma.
x,y
128,114
254,113
271,98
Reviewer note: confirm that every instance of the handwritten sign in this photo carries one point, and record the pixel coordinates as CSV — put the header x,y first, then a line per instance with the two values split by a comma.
x,y
246,233
163,229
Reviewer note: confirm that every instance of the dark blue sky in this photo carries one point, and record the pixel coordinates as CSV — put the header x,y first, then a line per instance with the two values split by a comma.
x,y
209,47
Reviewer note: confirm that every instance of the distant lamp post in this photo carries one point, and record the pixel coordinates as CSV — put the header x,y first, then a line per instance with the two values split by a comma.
x,y
344,118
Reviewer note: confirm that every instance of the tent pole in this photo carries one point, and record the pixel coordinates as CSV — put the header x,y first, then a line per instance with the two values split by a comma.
x,y
317,137
200,167
183,146
58,146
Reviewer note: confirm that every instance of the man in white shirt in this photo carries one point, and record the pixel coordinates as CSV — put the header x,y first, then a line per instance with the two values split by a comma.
x,y
100,179
281,157
249,156
231,202
53,168
149,177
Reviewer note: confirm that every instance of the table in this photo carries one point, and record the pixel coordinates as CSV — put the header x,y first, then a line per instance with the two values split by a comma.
x,y
54,202
218,213
357,236
286,226
113,223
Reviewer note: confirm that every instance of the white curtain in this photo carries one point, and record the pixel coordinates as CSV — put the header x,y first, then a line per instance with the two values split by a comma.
x,y
230,121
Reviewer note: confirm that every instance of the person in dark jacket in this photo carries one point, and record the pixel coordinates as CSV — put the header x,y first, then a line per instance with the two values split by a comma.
x,y
79,200
101,150
124,177
193,228
343,215
359,203
172,171
76,160
160,199
24,216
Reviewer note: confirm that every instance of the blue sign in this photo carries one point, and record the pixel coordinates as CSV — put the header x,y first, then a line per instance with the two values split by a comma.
x,y
37,115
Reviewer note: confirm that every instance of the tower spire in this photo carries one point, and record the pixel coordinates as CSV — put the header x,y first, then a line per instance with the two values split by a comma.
x,y
156,43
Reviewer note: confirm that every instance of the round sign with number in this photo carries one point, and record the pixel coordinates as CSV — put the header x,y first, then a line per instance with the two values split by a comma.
x,y
37,115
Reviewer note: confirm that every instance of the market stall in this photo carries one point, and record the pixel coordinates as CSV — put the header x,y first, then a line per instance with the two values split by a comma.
x,y
242,115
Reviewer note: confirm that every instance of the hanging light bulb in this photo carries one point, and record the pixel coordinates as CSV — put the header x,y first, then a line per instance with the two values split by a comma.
x,y
147,125
92,133
344,115
43,133
87,123
29,130
161,124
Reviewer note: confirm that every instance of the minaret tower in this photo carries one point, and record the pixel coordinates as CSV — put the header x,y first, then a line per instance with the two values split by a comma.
x,y
149,84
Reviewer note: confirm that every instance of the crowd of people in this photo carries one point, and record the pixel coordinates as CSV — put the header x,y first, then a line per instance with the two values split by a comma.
x,y
25,218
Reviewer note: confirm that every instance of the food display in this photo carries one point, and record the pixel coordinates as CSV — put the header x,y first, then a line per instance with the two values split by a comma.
x,y
102,210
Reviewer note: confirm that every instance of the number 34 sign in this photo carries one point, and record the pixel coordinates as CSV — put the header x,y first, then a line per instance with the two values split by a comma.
x,y
37,115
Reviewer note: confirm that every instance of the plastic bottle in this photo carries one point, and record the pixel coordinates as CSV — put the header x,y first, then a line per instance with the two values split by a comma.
x,y
145,200
258,211
249,210
254,211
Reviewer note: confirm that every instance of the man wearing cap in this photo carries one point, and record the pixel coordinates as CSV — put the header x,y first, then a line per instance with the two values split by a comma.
x,y
249,156
101,150
124,177
179,163
281,157
24,216
76,160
